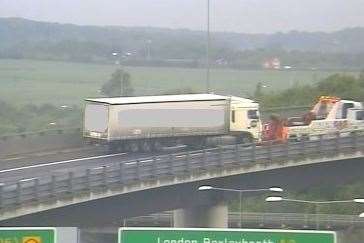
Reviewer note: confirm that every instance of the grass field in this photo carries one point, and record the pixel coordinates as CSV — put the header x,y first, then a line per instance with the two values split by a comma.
x,y
37,82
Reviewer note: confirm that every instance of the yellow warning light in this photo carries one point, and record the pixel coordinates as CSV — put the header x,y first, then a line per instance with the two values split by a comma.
x,y
32,239
332,99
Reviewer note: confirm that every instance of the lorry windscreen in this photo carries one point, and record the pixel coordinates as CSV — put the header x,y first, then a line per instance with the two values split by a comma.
x,y
253,114
360,115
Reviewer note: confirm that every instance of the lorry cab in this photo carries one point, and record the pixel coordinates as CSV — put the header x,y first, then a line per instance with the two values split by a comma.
x,y
245,118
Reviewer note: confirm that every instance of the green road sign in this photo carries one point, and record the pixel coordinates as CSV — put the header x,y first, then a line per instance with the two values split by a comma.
x,y
27,235
177,235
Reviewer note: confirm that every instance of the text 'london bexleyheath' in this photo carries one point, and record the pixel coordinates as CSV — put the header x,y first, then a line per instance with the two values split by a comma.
x,y
211,240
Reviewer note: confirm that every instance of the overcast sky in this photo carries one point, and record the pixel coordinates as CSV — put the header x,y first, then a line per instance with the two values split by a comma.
x,y
251,16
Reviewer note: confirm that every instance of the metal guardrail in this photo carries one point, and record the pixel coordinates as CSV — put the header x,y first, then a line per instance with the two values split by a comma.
x,y
78,182
321,221
283,220
291,108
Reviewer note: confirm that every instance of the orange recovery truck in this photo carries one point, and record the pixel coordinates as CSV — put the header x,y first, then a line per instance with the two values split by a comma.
x,y
328,116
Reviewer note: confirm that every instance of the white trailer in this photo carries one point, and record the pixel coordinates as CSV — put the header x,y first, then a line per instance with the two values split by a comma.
x,y
147,121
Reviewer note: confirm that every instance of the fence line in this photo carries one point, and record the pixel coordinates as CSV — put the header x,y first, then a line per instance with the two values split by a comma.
x,y
266,219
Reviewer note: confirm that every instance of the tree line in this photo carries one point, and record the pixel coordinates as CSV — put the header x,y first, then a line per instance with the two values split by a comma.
x,y
345,86
20,38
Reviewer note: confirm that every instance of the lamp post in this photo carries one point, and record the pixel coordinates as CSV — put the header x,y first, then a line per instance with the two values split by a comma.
x,y
240,191
316,203
147,49
116,58
208,40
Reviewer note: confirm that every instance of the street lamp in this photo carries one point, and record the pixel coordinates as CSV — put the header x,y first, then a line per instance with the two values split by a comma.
x,y
204,188
116,57
208,49
316,203
240,191
280,199
270,189
147,49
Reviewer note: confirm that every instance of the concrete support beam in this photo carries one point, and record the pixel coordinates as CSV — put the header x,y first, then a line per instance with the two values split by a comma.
x,y
350,234
208,216
68,234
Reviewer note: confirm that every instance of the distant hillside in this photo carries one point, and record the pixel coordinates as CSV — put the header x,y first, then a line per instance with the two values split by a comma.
x,y
21,38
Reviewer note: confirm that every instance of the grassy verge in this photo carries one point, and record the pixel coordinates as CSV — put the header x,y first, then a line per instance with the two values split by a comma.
x,y
39,82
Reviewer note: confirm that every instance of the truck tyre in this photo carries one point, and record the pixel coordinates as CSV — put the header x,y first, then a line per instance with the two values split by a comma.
x,y
133,146
199,143
245,139
112,147
146,146
122,147
157,145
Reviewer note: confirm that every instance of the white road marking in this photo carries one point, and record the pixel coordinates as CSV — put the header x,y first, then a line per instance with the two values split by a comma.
x,y
146,161
197,154
13,158
60,162
29,179
101,167
40,154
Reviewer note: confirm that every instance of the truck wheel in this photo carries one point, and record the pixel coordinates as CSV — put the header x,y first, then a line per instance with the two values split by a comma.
x,y
122,147
203,143
200,143
112,147
245,139
157,145
133,146
305,137
146,146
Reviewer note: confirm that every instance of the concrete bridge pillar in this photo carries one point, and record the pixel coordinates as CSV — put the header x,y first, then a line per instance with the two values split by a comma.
x,y
207,216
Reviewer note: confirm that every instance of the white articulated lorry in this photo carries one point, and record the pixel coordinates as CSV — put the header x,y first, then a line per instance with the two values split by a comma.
x,y
149,122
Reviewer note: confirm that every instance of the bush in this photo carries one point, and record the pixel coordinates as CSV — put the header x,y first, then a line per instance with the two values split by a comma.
x,y
340,85
32,118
